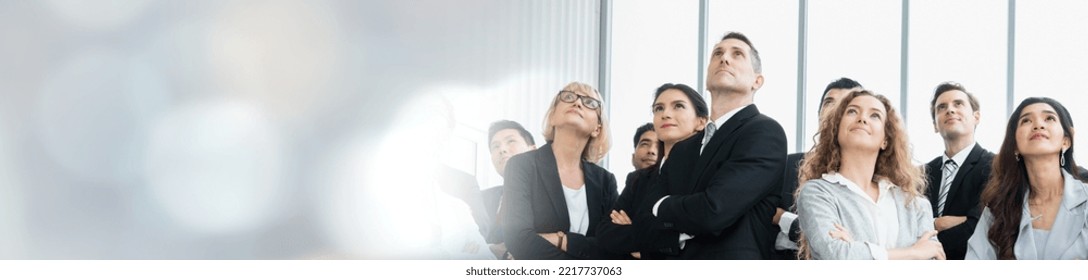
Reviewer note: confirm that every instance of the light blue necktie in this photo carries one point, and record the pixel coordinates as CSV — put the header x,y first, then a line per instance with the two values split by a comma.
x,y
710,129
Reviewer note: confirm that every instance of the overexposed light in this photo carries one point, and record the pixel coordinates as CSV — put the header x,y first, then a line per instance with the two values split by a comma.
x,y
98,14
385,201
13,229
280,53
93,112
216,166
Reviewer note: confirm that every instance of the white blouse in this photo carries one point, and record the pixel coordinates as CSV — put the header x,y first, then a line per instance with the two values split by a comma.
x,y
578,209
886,222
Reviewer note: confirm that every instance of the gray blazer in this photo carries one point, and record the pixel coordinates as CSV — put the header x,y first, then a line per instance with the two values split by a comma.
x,y
1068,236
822,204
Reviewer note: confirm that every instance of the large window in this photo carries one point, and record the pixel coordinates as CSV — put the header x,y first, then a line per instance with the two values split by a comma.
x,y
652,45
1050,57
856,39
963,42
772,28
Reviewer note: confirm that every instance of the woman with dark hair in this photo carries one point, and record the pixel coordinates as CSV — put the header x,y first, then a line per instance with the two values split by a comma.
x,y
679,113
863,198
555,196
1035,201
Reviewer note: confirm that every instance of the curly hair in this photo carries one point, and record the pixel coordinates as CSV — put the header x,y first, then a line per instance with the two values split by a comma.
x,y
893,163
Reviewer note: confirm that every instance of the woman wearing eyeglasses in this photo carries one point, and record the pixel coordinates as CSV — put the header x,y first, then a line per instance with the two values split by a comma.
x,y
555,195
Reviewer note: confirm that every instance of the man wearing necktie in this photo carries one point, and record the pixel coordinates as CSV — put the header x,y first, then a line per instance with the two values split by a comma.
x,y
957,177
722,209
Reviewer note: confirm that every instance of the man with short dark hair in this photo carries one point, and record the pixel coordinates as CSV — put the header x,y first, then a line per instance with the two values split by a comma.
x,y
505,139
645,154
957,177
732,169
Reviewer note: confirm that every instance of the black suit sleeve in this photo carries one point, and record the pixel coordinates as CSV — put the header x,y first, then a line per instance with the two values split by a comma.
x,y
518,218
588,247
641,236
955,239
620,239
752,172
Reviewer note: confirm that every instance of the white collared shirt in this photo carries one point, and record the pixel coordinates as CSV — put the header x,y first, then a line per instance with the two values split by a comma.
x,y
884,209
958,158
782,240
721,121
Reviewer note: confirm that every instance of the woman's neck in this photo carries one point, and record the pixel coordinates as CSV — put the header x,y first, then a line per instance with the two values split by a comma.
x,y
567,148
859,167
1045,178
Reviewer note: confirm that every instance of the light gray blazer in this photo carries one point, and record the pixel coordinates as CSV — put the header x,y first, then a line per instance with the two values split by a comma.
x,y
821,204
1068,236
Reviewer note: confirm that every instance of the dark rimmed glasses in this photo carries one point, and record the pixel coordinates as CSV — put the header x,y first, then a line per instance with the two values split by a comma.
x,y
569,97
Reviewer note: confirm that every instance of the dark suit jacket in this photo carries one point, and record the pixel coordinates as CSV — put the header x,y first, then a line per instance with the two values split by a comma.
x,y
624,239
789,187
491,206
963,198
732,190
533,203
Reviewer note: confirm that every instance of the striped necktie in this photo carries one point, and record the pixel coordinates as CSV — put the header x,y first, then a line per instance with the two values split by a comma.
x,y
710,129
949,171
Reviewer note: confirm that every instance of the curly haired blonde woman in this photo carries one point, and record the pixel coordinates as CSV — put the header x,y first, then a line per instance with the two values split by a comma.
x,y
862,197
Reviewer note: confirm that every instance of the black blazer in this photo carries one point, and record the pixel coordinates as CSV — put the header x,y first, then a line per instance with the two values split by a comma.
x,y
963,198
624,239
533,203
731,193
491,206
789,186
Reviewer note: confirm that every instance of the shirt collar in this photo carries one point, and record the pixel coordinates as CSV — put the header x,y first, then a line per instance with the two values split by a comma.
x,y
721,121
960,156
1074,192
835,177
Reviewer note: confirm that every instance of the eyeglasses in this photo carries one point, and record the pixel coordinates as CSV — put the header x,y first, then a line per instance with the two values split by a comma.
x,y
570,96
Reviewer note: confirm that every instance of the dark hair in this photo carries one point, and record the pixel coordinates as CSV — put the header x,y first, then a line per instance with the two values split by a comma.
x,y
1004,193
508,124
701,109
641,130
757,64
946,87
841,83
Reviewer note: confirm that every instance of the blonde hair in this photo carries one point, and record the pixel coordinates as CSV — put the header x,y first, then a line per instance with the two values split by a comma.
x,y
596,147
893,163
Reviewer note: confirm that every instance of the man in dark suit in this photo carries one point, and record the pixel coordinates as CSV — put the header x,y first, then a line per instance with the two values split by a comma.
x,y
724,209
957,177
789,232
505,139
645,154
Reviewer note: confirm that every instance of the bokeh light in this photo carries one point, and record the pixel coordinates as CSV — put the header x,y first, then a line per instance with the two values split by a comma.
x,y
216,166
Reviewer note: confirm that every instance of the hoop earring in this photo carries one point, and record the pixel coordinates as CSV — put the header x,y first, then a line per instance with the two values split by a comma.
x,y
1017,155
1063,159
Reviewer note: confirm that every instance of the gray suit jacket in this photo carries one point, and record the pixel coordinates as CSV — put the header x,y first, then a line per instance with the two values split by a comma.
x,y
822,204
1068,236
